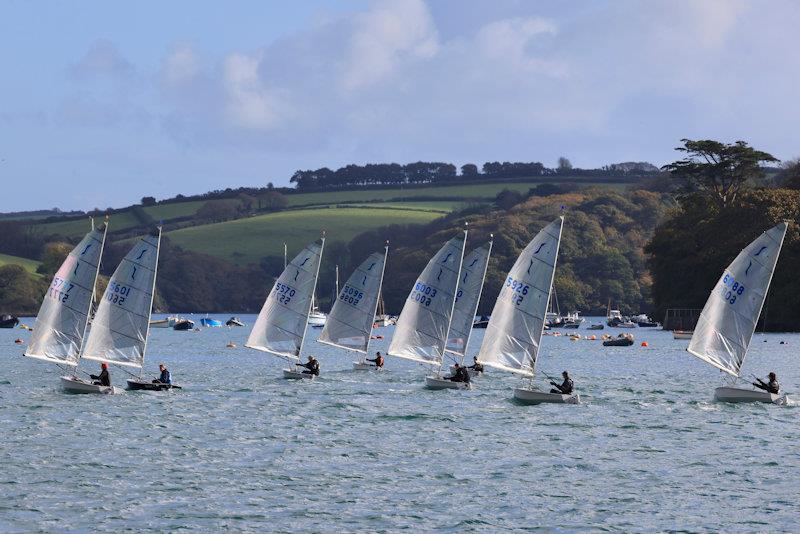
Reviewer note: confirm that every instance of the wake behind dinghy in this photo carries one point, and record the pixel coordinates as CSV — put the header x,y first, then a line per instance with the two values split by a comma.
x,y
421,332
351,319
280,329
728,320
513,336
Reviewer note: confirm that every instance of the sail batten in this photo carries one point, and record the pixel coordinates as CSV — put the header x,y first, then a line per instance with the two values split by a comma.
x,y
726,325
514,332
121,325
281,325
349,323
60,328
468,296
423,325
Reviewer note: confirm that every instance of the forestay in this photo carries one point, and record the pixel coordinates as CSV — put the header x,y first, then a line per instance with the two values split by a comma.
x,y
470,286
729,317
423,324
515,329
61,323
119,330
281,325
349,324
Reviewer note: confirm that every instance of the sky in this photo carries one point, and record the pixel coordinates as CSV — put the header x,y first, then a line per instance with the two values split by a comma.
x,y
102,103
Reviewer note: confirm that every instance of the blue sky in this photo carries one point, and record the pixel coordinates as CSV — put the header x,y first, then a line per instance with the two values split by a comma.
x,y
102,103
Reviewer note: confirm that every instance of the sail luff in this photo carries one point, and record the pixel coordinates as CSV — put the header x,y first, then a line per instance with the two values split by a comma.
x,y
313,291
94,289
380,288
453,303
152,297
726,325
549,290
468,298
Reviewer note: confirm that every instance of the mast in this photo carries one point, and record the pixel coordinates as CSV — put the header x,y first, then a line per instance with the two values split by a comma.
x,y
150,309
453,303
94,288
480,293
311,302
380,288
552,278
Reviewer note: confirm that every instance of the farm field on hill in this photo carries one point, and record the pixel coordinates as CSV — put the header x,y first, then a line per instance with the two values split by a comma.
x,y
78,227
247,240
28,265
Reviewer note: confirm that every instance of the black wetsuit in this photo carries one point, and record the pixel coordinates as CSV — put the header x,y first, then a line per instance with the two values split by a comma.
x,y
461,375
478,367
772,386
312,367
103,379
377,361
565,388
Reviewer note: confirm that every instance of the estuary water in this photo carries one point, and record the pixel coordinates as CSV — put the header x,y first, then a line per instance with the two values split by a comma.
x,y
240,448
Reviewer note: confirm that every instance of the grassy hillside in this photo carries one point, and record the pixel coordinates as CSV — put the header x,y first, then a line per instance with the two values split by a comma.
x,y
247,240
28,265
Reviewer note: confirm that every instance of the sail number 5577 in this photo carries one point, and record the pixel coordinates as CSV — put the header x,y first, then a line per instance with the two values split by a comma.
x,y
731,288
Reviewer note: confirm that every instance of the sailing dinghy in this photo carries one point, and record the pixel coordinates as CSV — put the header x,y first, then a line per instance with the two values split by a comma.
x,y
350,321
513,336
60,327
280,328
729,318
468,296
421,332
121,326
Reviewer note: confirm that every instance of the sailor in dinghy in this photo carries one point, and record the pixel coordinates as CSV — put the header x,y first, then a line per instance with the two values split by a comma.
x,y
423,325
61,324
728,320
281,326
514,333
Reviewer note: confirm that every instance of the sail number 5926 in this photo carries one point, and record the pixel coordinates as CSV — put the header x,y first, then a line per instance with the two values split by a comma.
x,y
518,290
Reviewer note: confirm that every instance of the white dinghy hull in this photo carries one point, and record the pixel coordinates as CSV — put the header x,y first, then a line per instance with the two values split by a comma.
x,y
362,366
289,374
531,396
437,383
73,384
472,372
731,394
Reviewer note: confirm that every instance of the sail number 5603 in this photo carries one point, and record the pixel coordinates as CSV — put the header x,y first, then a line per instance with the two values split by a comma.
x,y
731,288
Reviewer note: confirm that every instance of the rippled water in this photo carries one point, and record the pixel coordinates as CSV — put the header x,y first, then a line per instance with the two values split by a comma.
x,y
242,449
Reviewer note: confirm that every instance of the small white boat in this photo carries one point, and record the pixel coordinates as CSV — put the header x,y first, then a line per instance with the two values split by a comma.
x,y
317,318
682,334
732,394
533,396
726,324
73,384
297,375
437,383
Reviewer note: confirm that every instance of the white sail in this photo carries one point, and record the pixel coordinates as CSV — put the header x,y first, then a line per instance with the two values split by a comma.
x,y
470,286
729,317
281,326
515,329
422,327
120,327
349,323
61,323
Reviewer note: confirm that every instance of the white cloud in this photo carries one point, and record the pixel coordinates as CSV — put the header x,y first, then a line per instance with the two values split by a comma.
x,y
181,65
250,103
102,59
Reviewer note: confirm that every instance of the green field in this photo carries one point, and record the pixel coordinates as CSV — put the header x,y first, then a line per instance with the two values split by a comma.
x,y
28,265
79,227
166,212
247,240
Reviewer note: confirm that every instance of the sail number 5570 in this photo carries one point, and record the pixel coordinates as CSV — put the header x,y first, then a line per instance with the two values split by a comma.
x,y
284,293
731,288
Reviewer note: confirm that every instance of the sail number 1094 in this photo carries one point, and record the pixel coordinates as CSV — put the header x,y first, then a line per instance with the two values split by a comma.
x,y
731,288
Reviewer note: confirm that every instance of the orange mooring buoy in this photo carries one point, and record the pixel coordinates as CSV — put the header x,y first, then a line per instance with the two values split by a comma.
x,y
644,343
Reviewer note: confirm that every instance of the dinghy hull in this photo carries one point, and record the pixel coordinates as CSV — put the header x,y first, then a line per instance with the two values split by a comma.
x,y
142,385
289,374
730,394
530,396
472,372
73,384
365,366
437,383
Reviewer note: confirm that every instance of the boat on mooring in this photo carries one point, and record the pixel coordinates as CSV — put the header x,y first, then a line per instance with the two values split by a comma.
x,y
728,320
280,329
351,319
513,337
8,321
421,332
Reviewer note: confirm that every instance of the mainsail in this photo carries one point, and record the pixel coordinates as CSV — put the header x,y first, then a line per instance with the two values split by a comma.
x,y
281,326
349,323
470,286
120,327
423,324
515,329
61,323
729,317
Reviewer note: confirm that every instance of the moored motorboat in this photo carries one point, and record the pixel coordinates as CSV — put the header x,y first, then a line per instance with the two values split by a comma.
x,y
167,322
596,327
682,334
183,325
8,321
624,340
209,322
317,319
234,321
